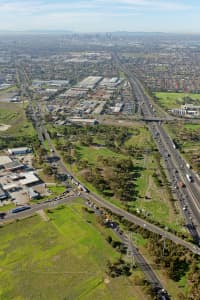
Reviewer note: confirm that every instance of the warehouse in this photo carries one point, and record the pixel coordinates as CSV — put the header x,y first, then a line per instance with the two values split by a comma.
x,y
4,160
19,151
29,178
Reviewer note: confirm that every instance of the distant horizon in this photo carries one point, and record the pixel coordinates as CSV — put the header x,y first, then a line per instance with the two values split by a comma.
x,y
98,32
172,16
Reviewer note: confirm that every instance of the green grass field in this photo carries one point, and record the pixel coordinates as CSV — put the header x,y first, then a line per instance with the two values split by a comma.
x,y
154,199
157,206
7,207
14,115
91,153
175,100
143,140
192,127
64,258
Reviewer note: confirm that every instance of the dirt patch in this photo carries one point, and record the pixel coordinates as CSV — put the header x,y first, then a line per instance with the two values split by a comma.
x,y
43,215
96,147
106,280
4,127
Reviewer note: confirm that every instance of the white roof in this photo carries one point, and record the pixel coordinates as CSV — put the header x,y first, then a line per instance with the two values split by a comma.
x,y
18,149
9,186
5,160
30,177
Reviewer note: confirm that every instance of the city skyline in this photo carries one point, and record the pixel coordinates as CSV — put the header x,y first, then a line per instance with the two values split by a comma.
x,y
100,15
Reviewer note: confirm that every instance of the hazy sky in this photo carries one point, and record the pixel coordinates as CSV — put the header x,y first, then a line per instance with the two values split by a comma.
x,y
101,15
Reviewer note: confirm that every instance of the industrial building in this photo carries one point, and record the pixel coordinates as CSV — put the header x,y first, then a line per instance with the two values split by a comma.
x,y
84,121
19,151
29,178
3,194
110,82
90,82
4,160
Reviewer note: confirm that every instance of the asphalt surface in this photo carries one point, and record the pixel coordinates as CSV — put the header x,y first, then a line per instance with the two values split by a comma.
x,y
140,98
140,222
141,104
36,207
189,196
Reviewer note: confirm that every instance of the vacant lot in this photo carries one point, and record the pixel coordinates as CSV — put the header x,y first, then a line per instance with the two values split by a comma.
x,y
64,258
14,115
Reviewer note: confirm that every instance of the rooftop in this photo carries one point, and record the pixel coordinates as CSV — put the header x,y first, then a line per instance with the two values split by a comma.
x,y
5,160
30,178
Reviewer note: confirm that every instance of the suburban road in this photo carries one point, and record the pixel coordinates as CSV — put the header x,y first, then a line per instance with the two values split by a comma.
x,y
101,203
134,219
134,254
148,271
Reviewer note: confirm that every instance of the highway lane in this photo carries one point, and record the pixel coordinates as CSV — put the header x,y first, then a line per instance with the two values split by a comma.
x,y
191,193
62,165
179,193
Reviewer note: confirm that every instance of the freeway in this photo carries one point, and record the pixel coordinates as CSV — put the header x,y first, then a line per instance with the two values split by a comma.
x,y
177,168
138,91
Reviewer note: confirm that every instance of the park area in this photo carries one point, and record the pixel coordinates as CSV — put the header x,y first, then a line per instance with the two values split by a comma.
x,y
62,256
126,171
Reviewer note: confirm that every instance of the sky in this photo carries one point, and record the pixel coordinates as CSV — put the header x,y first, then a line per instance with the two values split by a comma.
x,y
101,15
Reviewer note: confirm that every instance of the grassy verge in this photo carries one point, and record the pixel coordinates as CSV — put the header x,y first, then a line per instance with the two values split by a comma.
x,y
7,207
173,288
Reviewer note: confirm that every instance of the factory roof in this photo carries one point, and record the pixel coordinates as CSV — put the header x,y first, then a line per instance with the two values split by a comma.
x,y
5,160
30,178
